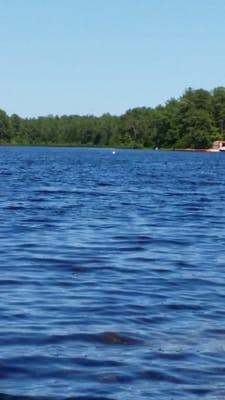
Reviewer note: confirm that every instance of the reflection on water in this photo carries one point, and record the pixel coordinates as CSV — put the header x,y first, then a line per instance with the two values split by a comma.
x,y
112,274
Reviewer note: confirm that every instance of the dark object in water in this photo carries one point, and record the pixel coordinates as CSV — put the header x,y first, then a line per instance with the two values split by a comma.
x,y
115,338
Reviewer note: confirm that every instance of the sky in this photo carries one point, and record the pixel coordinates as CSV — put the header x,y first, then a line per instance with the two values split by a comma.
x,y
97,56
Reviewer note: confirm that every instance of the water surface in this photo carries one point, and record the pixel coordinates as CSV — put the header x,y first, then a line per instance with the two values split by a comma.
x,y
112,281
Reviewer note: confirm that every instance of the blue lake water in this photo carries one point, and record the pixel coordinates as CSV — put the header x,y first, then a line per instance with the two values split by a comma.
x,y
112,282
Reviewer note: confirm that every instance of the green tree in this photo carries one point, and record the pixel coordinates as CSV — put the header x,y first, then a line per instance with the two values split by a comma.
x,y
5,127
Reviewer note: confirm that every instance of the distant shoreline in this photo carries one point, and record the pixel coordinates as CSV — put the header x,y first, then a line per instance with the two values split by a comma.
x,y
186,150
192,122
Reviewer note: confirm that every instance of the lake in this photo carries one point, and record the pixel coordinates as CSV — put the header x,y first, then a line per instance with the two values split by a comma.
x,y
112,280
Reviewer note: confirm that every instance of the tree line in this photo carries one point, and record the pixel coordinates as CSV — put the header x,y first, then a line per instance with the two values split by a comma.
x,y
194,120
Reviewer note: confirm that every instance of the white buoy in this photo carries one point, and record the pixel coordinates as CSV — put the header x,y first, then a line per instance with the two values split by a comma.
x,y
113,152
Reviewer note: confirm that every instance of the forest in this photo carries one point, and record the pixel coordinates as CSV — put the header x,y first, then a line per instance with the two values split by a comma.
x,y
194,120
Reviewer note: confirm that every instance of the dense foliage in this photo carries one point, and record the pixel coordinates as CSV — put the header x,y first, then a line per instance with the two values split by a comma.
x,y
195,120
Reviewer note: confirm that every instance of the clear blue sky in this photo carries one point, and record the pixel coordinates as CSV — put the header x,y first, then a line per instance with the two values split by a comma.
x,y
97,56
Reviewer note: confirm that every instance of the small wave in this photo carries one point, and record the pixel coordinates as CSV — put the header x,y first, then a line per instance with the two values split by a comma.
x,y
156,375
